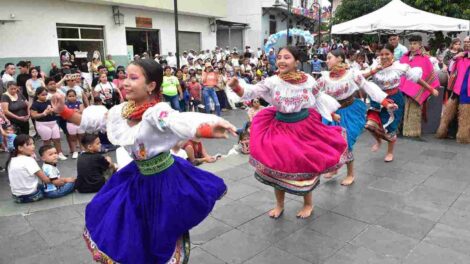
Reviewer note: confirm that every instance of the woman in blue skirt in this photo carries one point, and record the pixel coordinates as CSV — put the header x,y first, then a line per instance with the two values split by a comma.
x,y
382,123
144,212
343,84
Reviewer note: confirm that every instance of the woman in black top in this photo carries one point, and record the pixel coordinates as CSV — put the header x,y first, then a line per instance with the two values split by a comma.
x,y
16,108
46,124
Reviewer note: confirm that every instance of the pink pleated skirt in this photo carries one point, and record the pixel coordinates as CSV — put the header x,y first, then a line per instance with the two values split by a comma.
x,y
291,151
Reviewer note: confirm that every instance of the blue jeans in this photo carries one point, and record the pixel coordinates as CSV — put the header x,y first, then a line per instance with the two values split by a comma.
x,y
174,101
207,93
61,191
33,197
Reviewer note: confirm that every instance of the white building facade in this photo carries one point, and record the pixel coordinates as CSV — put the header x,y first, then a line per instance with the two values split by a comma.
x,y
39,30
266,17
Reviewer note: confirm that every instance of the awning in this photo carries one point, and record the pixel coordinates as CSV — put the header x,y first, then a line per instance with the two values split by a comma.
x,y
398,17
224,23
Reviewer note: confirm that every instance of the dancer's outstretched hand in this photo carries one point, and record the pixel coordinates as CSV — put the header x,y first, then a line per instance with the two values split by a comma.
x,y
233,82
435,92
58,103
221,129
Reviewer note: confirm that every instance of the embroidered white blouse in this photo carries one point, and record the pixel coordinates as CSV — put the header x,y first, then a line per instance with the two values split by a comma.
x,y
389,78
348,84
160,129
291,98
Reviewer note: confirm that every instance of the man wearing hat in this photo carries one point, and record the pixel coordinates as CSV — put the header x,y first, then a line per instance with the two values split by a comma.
x,y
171,60
209,82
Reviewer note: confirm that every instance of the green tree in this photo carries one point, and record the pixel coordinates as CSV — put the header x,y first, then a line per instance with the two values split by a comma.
x,y
351,9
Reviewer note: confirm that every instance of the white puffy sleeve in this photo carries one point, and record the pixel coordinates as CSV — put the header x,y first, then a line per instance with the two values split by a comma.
x,y
94,119
374,91
184,125
325,104
414,74
253,91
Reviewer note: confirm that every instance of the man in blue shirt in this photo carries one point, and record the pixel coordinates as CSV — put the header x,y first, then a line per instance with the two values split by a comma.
x,y
272,59
400,50
316,66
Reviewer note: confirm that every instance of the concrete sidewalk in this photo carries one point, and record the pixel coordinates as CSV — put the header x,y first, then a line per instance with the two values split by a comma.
x,y
413,210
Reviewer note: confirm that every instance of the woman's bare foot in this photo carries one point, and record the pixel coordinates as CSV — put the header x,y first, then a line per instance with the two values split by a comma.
x,y
276,212
376,147
330,175
388,157
348,180
305,212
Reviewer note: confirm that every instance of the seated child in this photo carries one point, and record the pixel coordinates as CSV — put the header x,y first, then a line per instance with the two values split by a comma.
x,y
8,133
243,146
59,186
24,172
197,154
92,166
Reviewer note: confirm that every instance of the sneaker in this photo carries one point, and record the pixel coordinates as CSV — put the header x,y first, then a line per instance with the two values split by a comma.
x,y
62,157
2,169
75,155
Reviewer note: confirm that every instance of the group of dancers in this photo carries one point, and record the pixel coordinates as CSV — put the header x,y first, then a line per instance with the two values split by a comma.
x,y
144,212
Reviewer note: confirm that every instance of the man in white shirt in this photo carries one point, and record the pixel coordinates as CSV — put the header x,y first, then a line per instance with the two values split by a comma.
x,y
253,59
259,53
184,59
208,54
227,51
8,75
171,60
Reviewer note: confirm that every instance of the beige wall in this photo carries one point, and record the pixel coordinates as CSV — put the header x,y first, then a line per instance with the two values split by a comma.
x,y
209,8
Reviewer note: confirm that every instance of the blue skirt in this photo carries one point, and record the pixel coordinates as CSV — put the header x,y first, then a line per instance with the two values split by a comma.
x,y
353,119
141,219
399,100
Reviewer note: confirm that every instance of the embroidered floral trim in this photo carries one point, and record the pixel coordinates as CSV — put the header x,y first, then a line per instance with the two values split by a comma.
x,y
161,120
180,255
289,188
263,169
98,255
156,164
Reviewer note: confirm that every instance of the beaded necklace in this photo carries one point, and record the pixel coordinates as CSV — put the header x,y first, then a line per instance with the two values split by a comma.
x,y
296,77
131,112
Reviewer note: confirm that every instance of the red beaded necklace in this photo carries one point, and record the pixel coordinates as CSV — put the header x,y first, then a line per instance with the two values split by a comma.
x,y
131,112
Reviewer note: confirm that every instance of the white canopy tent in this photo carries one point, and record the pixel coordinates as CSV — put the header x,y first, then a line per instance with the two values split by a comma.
x,y
398,17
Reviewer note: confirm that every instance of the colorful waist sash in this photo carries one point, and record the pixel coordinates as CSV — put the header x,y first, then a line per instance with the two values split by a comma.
x,y
156,164
292,117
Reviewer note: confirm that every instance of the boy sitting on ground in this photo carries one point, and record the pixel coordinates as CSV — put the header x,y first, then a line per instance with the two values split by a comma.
x,y
92,166
59,186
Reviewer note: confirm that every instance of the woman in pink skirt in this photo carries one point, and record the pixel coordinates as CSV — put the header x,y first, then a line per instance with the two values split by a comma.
x,y
290,147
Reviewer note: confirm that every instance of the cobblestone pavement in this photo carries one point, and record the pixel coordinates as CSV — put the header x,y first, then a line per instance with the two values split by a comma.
x,y
413,210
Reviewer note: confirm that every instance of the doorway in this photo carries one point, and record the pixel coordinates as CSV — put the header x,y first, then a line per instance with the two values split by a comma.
x,y
143,40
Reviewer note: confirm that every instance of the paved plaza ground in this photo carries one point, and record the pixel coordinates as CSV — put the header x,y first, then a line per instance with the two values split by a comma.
x,y
413,210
